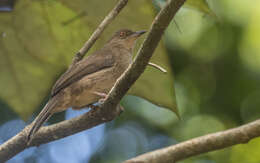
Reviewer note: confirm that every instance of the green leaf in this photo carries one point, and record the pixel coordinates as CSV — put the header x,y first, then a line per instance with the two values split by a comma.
x,y
35,46
155,86
246,152
39,39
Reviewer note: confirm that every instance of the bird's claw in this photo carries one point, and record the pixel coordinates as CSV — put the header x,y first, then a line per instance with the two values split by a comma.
x,y
103,98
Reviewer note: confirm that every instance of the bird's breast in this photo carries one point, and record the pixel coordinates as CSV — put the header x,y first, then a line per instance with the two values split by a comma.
x,y
82,92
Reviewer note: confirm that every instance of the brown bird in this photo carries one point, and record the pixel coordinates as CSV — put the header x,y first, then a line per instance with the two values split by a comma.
x,y
89,80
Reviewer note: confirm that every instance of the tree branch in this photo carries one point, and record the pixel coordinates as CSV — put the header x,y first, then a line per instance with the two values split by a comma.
x,y
203,144
107,110
54,132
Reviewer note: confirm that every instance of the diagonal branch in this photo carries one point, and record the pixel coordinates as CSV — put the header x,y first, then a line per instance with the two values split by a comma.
x,y
109,109
203,144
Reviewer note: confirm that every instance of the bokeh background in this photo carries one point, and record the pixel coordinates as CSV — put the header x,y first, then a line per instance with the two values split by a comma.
x,y
212,49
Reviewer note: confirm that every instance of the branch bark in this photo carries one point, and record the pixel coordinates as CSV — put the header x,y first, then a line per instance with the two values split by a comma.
x,y
108,110
203,144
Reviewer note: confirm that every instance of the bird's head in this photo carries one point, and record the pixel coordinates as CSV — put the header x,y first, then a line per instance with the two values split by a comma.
x,y
126,38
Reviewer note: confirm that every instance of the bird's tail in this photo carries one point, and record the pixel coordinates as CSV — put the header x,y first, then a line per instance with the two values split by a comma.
x,y
43,116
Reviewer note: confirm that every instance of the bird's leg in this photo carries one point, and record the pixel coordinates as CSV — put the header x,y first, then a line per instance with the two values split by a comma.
x,y
102,95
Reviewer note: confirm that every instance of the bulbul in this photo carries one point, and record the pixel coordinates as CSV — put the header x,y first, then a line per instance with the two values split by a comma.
x,y
89,80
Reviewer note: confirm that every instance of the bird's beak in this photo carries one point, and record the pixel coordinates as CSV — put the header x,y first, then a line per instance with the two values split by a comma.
x,y
138,33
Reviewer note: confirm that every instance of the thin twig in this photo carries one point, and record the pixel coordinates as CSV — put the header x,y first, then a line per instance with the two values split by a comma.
x,y
93,38
157,67
177,26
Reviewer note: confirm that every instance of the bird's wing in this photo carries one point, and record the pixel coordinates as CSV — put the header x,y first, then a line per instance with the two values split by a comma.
x,y
96,62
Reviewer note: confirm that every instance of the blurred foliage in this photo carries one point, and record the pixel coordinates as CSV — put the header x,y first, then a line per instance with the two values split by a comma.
x,y
39,39
201,5
216,66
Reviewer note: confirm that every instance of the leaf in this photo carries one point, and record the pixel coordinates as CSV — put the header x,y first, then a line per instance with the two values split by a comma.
x,y
34,48
41,37
246,152
155,86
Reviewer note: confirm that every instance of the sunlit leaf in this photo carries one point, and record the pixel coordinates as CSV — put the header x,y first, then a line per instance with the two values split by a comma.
x,y
247,152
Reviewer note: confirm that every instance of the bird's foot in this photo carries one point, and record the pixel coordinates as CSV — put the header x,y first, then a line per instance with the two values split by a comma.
x,y
104,96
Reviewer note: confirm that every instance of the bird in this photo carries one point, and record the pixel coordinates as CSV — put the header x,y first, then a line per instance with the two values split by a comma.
x,y
89,80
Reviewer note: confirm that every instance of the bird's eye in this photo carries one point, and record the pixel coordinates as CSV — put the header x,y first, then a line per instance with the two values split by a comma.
x,y
122,34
